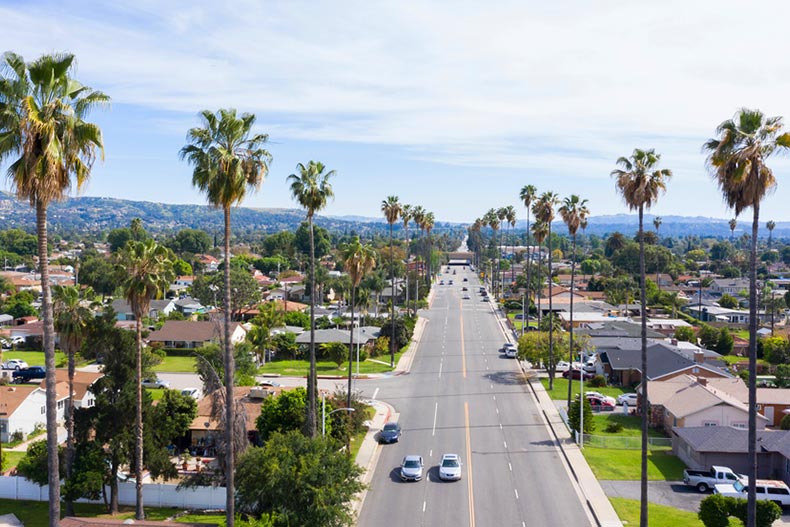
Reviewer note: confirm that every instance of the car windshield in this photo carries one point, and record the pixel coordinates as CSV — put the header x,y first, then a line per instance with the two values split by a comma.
x,y
390,427
411,463
450,463
739,486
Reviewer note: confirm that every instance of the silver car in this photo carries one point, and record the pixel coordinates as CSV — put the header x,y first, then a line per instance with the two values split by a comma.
x,y
450,468
411,468
155,383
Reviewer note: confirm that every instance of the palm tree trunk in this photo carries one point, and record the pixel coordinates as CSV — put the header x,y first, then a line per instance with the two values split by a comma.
x,y
551,321
312,382
139,512
351,346
230,367
70,428
644,408
49,363
114,486
529,271
392,301
570,340
751,505
407,270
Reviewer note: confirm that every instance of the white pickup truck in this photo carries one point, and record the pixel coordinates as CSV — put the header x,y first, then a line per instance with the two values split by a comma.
x,y
705,480
775,491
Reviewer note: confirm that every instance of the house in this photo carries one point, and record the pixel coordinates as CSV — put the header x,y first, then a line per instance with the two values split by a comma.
x,y
773,403
400,292
667,326
615,328
189,306
25,408
123,311
6,320
701,447
83,380
729,286
689,401
194,334
209,263
325,336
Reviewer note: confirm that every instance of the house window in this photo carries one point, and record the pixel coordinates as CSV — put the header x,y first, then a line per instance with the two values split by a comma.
x,y
695,370
739,425
60,405
787,465
710,423
43,410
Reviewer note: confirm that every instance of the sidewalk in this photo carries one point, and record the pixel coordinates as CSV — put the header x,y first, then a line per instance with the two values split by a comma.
x,y
368,454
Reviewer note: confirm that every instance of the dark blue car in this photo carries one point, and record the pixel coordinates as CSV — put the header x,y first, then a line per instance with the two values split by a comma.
x,y
390,433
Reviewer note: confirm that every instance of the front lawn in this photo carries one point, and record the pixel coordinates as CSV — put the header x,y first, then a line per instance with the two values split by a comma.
x,y
609,463
35,358
560,391
155,393
632,425
659,515
734,359
177,364
11,459
299,368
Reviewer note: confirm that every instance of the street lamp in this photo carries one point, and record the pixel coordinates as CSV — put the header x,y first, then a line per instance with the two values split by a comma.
x,y
323,413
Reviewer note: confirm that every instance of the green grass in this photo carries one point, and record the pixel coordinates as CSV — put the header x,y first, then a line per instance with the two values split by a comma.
x,y
11,459
560,391
297,368
356,441
632,425
659,515
608,463
155,393
34,513
518,323
177,364
732,359
35,358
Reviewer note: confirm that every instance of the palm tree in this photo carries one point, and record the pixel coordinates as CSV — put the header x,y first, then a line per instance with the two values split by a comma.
x,y
733,224
311,189
736,160
539,231
392,209
657,221
511,219
640,182
501,214
71,323
771,225
428,222
147,271
574,212
405,215
544,212
418,216
476,226
358,260
228,160
52,147
493,221
527,196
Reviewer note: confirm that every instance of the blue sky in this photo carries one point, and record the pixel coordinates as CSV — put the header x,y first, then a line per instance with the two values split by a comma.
x,y
450,105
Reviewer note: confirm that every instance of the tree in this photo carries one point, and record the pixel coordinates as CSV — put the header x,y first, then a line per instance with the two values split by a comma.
x,y
311,189
573,212
391,208
708,336
306,481
358,260
71,323
191,241
771,225
540,231
52,147
34,465
527,196
574,415
775,349
322,244
640,182
334,351
732,223
406,217
282,414
228,161
737,161
147,268
657,223
544,212
783,377
684,333
245,291
725,343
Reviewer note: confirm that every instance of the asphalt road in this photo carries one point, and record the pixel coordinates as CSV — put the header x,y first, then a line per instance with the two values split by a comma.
x,y
463,396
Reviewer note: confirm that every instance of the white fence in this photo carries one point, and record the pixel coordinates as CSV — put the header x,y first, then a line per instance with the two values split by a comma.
x,y
154,494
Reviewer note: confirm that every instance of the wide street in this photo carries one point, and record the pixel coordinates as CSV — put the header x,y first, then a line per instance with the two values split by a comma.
x,y
463,396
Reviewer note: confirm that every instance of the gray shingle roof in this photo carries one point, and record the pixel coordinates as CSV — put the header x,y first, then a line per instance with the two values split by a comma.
x,y
733,440
661,360
618,329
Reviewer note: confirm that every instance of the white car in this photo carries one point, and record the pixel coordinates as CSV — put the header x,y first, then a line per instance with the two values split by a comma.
x,y
15,364
627,398
450,468
562,366
191,392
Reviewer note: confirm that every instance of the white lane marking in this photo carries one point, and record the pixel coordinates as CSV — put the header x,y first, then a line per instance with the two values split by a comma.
x,y
430,453
375,393
505,444
440,367
515,490
492,386
497,411
510,467
495,397
424,503
435,413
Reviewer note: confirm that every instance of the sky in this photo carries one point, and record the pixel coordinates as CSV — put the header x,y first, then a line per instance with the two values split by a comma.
x,y
452,105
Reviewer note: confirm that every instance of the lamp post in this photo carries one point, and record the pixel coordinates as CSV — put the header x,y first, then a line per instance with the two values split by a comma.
x,y
324,414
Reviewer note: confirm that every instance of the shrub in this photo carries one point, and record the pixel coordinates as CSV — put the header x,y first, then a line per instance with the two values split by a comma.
x,y
714,511
599,381
784,424
614,428
574,416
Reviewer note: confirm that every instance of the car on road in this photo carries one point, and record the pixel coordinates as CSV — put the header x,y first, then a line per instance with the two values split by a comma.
x,y
450,468
441,282
191,392
466,279
15,364
511,352
577,374
269,384
506,346
562,366
155,383
29,374
627,398
467,297
411,468
450,282
390,433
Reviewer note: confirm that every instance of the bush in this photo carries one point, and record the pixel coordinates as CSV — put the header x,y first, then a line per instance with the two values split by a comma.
x,y
599,381
714,511
784,424
614,428
512,305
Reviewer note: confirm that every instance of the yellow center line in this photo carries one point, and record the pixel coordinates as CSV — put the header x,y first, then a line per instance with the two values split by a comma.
x,y
469,468
463,351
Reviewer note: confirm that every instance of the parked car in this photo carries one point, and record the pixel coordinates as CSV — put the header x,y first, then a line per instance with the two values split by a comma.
x,y
29,374
562,366
269,384
5,344
450,468
15,364
464,288
577,374
627,398
390,433
775,491
155,383
191,392
466,279
411,468
705,480
601,396
599,404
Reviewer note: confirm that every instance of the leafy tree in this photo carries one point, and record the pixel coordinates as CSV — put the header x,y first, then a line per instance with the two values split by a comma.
x,y
279,244
297,318
18,306
783,376
88,475
271,264
306,481
784,424
210,364
728,301
775,350
684,334
284,345
574,415
282,414
334,351
708,336
118,238
18,242
173,415
243,287
323,243
34,464
192,241
402,332
714,511
725,342
98,273
182,267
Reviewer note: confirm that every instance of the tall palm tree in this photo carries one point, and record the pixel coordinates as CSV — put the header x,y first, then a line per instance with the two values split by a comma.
x,y
737,161
428,221
771,225
228,159
501,214
527,196
358,260
511,219
418,216
44,132
147,271
733,223
311,189
540,231
71,323
573,212
392,209
405,215
476,226
657,221
493,221
544,211
640,182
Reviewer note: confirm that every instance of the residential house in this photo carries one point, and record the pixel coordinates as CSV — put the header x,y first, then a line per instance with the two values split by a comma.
x,y
123,311
323,336
667,326
194,334
189,306
209,263
6,320
83,380
400,292
24,408
729,286
774,403
701,447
